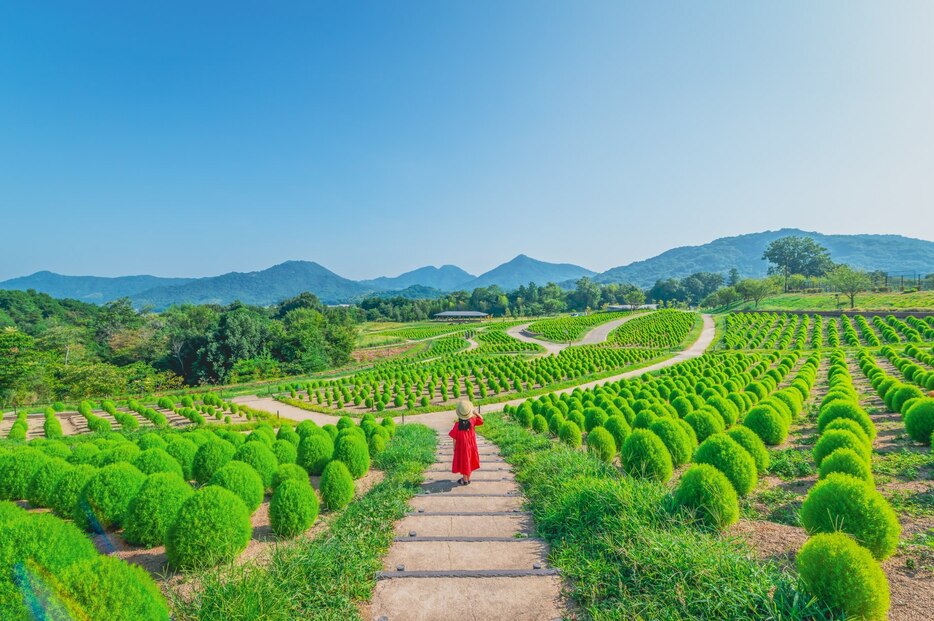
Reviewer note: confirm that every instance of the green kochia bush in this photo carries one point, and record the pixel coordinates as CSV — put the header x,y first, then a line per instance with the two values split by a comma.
x,y
845,503
105,499
68,489
618,428
601,445
154,508
746,438
677,442
919,420
704,423
241,479
53,544
17,469
337,486
540,424
847,461
261,458
293,508
285,451
183,450
570,434
212,526
155,460
644,455
708,492
768,424
841,573
353,452
286,472
314,452
43,484
210,457
846,409
108,588
833,439
853,427
727,456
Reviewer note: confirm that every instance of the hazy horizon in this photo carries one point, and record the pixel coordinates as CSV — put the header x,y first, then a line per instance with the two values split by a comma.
x,y
195,140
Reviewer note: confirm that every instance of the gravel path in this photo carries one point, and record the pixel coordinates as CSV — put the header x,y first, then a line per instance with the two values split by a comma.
x,y
595,336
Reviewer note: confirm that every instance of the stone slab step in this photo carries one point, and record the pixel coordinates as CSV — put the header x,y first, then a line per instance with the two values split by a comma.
x,y
464,555
526,598
469,504
467,573
476,487
476,475
463,525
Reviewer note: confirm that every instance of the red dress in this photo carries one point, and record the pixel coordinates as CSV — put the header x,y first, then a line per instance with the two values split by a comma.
x,y
466,455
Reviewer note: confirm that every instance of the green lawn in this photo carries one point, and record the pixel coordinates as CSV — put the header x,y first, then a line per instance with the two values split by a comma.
x,y
921,300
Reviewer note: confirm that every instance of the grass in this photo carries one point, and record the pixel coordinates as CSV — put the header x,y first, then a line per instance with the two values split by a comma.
x,y
790,464
626,555
912,504
920,300
904,464
326,577
773,504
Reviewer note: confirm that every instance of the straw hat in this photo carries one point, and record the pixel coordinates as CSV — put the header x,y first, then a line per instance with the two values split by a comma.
x,y
464,409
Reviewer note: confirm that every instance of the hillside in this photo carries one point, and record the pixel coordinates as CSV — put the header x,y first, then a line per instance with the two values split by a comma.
x,y
444,278
96,289
265,287
891,253
523,269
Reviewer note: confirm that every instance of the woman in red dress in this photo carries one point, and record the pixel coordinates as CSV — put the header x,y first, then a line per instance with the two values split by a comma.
x,y
466,455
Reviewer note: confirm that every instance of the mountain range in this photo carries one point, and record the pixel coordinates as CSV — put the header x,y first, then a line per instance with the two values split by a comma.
x,y
891,253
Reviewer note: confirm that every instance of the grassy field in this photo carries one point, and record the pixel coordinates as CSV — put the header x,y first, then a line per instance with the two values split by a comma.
x,y
920,300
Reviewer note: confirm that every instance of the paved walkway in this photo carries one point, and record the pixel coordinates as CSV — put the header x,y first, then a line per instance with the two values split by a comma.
x,y
595,336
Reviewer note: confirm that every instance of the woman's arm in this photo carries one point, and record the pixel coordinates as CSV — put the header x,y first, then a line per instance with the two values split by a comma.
x,y
477,420
453,432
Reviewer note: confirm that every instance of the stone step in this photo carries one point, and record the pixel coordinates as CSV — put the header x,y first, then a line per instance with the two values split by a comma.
x,y
526,598
463,525
476,475
528,555
476,487
467,504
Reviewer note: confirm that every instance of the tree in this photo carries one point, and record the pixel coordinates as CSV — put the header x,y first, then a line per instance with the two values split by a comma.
x,y
797,255
755,290
848,281
733,278
635,298
18,358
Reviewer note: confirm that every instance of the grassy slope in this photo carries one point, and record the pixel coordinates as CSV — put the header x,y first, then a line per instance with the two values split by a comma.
x,y
921,300
325,577
625,554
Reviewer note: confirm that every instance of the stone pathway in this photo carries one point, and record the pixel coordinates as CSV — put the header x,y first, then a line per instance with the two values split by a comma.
x,y
467,552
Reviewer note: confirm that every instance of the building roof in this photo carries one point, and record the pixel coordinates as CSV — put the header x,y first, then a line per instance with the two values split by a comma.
x,y
462,314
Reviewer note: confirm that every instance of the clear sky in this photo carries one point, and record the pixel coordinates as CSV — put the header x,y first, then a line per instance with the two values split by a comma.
x,y
196,138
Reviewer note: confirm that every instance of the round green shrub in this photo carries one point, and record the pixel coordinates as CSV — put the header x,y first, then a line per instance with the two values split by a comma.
x,y
337,486
293,508
285,451
183,451
10,511
846,409
570,434
314,453
555,422
150,441
353,452
594,417
726,409
154,508
727,456
853,427
524,417
704,423
845,503
108,588
601,445
306,428
289,435
842,574
41,491
746,438
710,495
212,526
768,424
847,461
156,460
17,469
84,453
645,418
682,406
104,500
289,471
209,458
376,444
331,431
55,448
644,455
919,420
676,441
261,458
68,489
832,439
124,452
539,424
905,394
618,428
53,544
243,480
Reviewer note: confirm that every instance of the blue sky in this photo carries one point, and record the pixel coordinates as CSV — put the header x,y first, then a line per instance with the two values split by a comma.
x,y
195,138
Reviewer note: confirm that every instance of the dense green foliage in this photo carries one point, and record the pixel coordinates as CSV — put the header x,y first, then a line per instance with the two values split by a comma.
x,y
211,527
293,508
706,491
154,507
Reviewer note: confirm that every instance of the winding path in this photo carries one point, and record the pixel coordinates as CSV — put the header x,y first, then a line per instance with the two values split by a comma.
x,y
598,334
470,552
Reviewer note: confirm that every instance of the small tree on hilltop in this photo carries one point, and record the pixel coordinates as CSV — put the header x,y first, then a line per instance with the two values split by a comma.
x,y
635,298
849,282
755,290
797,255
